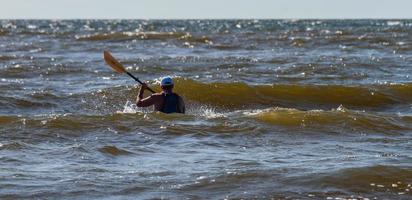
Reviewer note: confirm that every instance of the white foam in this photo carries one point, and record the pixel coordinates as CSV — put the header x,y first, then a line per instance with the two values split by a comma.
x,y
130,107
207,112
393,23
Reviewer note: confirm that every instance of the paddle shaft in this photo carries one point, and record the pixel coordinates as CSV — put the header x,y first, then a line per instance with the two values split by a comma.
x,y
136,79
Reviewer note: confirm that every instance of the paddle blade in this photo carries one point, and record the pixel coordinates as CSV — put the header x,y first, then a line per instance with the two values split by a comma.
x,y
110,60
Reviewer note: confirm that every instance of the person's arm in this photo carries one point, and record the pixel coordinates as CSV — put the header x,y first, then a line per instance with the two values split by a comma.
x,y
181,105
144,102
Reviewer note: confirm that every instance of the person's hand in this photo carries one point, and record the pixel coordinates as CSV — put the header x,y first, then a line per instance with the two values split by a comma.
x,y
141,91
144,86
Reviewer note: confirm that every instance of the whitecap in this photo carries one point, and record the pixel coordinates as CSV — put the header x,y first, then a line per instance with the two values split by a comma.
x,y
393,23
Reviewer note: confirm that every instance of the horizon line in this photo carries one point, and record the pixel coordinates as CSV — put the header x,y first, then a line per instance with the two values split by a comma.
x,y
229,18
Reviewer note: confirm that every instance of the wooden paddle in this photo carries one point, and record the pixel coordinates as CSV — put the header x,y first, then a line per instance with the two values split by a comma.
x,y
110,60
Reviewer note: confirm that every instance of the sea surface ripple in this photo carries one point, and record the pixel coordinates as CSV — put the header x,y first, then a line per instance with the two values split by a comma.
x,y
277,109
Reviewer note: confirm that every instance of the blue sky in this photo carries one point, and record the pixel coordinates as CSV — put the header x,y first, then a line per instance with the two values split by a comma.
x,y
194,9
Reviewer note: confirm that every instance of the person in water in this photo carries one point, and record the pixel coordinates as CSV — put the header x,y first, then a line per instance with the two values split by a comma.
x,y
166,101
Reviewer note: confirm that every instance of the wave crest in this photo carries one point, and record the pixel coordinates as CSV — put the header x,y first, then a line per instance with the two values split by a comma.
x,y
120,36
241,95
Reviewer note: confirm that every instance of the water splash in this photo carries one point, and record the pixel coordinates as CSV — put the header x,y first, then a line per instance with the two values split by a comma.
x,y
205,111
131,108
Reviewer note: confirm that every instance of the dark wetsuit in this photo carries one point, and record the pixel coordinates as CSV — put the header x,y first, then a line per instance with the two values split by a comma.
x,y
171,103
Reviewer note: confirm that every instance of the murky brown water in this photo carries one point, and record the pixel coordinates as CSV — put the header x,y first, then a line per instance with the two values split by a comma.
x,y
284,109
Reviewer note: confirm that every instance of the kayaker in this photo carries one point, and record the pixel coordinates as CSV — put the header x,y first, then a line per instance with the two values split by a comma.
x,y
166,101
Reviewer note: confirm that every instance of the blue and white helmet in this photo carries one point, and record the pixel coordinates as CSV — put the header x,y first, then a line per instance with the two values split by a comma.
x,y
166,81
